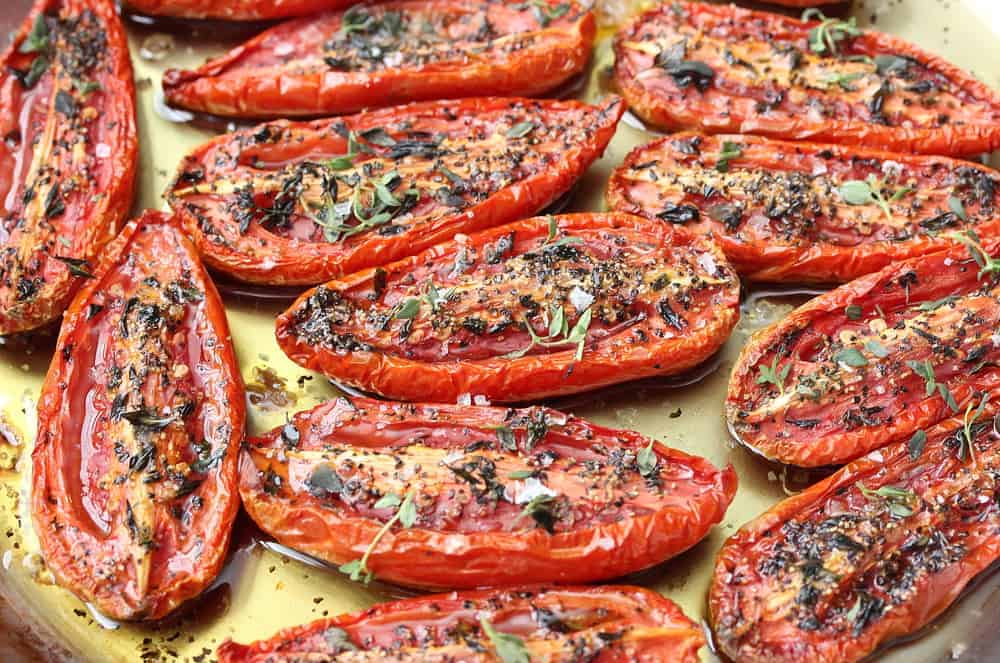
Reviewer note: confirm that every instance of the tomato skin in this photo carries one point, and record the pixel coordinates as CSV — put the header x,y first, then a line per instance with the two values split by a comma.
x,y
815,247
47,145
257,79
915,563
650,334
653,628
235,10
875,114
832,412
576,135
479,545
169,541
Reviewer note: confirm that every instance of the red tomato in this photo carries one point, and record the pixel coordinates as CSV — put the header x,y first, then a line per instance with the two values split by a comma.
x,y
139,424
67,160
611,624
722,69
537,308
297,203
806,211
381,55
871,362
476,496
866,557
235,10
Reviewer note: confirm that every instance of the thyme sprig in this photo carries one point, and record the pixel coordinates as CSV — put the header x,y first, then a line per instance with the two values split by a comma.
x,y
872,190
774,375
987,264
559,332
826,37
373,202
405,515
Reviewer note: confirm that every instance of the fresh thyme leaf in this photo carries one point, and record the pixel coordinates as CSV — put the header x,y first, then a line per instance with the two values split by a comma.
x,y
852,357
509,648
37,40
853,312
948,397
877,349
856,192
936,304
520,130
540,510
916,444
899,500
407,512
521,474
773,375
924,369
388,501
844,80
35,72
408,309
956,206
729,151
340,163
826,37
325,480
646,460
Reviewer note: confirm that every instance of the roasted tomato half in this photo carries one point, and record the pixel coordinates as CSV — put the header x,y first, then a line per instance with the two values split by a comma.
x,y
139,424
68,154
296,203
234,10
867,556
537,308
803,211
376,55
610,624
722,69
873,361
451,496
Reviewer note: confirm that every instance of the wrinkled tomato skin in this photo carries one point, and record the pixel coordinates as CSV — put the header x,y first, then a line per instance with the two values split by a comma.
x,y
262,79
484,546
646,336
263,254
813,247
126,518
648,628
84,147
235,10
735,100
831,412
901,571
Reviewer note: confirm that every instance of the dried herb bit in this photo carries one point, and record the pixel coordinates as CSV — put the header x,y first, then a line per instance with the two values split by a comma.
x,y
206,460
916,444
689,72
324,481
338,640
646,460
540,510
679,214
773,375
826,37
926,307
544,12
406,515
967,449
520,130
509,648
729,151
77,266
891,64
844,80
506,438
871,190
146,418
899,501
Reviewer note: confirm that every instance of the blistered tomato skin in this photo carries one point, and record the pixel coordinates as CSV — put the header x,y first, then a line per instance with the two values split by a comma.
x,y
501,496
536,308
302,203
68,155
139,422
378,55
871,362
610,624
807,212
723,69
234,10
868,556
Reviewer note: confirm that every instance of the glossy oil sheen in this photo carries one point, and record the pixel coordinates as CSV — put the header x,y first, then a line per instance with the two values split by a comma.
x,y
260,591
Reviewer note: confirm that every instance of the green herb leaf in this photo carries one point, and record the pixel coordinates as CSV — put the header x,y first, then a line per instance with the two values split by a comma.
x,y
578,334
388,501
38,39
890,64
340,163
521,474
851,357
856,192
924,369
338,640
356,571
506,437
773,375
877,349
408,309
407,511
853,312
38,68
935,305
324,479
509,648
520,130
916,444
900,501
729,151
646,460
947,396
956,206
76,266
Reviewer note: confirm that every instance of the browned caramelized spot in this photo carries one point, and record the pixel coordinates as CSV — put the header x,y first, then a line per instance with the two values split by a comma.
x,y
480,305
